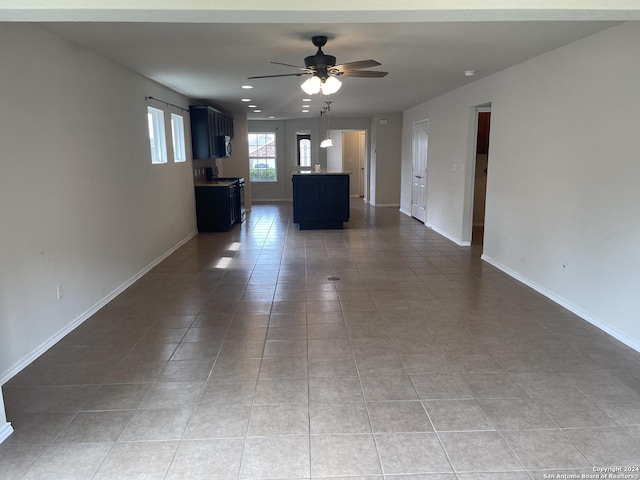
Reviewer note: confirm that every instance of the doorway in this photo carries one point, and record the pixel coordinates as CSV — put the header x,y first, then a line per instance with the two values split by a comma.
x,y
353,159
483,124
419,171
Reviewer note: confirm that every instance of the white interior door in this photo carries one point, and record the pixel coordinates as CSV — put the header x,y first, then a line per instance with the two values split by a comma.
x,y
362,150
419,178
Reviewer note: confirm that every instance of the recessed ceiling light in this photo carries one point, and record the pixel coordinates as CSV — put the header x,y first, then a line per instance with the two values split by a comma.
x,y
306,99
257,111
247,87
271,116
469,73
305,111
305,106
246,99
253,106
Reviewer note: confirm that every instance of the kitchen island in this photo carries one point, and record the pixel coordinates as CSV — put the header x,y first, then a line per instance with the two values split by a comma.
x,y
320,199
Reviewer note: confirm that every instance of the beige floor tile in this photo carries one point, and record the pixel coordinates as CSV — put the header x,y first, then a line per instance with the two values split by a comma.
x,y
275,457
268,369
148,460
69,461
343,455
212,459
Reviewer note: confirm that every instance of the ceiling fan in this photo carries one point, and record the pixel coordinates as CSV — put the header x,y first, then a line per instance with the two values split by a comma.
x,y
324,71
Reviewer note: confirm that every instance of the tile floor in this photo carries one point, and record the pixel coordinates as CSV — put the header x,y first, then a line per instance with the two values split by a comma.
x,y
239,358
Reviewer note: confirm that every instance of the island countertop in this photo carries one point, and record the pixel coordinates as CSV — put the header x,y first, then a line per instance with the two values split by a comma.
x,y
321,172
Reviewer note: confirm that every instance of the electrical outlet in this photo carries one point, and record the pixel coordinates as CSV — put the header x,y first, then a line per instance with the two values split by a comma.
x,y
60,290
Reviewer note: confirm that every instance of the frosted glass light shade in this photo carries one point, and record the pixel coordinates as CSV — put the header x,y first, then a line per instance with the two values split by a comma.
x,y
326,143
312,85
331,85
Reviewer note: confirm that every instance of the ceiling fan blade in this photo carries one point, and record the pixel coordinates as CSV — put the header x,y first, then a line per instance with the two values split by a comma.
x,y
364,74
289,65
357,65
281,75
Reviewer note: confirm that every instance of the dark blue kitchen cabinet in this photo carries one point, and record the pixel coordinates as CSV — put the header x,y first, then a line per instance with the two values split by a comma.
x,y
216,207
320,200
208,129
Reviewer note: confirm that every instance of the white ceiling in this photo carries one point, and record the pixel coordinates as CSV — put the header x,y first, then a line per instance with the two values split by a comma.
x,y
211,62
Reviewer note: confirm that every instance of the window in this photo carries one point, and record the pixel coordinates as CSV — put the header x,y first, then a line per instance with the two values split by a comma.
x,y
157,138
262,157
177,132
304,150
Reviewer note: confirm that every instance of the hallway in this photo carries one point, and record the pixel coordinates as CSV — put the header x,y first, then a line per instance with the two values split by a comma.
x,y
381,351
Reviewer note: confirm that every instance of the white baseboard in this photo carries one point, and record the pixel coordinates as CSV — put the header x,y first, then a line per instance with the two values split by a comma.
x,y
27,360
604,326
386,204
457,241
5,431
406,212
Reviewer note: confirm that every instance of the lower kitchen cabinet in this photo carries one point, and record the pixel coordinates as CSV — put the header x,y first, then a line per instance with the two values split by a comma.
x,y
216,207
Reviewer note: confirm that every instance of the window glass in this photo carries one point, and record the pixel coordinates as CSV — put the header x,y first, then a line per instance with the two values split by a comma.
x,y
262,157
177,131
304,150
157,139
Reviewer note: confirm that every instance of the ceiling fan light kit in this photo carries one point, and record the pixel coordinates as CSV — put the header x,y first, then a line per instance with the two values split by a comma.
x,y
323,70
311,85
314,85
330,85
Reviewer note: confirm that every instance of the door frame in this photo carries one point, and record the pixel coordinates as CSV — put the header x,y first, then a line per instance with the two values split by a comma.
x,y
470,187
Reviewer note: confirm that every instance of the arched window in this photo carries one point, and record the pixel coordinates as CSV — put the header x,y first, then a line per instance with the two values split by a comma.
x,y
304,150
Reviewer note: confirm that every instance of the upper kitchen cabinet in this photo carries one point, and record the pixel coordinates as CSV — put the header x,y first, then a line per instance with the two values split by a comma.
x,y
207,126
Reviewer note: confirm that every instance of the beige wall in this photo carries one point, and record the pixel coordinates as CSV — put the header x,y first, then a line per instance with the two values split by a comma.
x,y
563,175
386,159
80,202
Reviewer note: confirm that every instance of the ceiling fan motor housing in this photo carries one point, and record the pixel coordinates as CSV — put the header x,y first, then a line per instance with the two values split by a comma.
x,y
320,63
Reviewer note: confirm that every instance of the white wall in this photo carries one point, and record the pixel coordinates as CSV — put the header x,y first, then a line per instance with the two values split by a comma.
x,y
563,174
334,153
281,11
80,202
